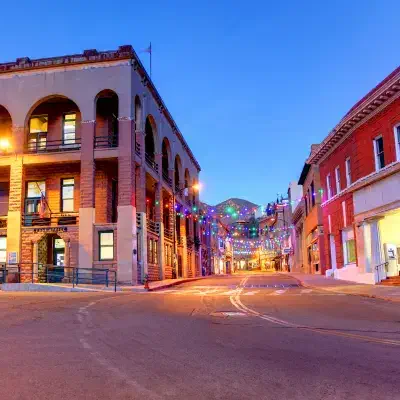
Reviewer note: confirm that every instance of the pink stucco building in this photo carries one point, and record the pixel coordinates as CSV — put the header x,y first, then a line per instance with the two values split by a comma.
x,y
95,168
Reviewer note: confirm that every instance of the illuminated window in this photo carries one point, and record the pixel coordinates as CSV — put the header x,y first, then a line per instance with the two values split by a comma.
x,y
351,251
69,128
106,245
38,124
3,249
67,194
34,191
37,138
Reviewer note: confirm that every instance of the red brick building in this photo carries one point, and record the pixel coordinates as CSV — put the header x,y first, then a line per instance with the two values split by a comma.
x,y
360,174
95,169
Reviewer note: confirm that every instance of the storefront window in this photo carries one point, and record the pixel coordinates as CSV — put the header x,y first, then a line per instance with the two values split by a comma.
x,y
350,251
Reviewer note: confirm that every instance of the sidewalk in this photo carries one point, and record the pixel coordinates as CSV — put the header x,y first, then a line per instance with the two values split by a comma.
x,y
347,287
59,287
158,285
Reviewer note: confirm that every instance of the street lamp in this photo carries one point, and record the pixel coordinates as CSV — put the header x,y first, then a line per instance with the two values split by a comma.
x,y
185,191
5,144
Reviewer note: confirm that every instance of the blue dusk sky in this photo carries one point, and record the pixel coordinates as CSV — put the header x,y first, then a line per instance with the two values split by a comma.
x,y
251,84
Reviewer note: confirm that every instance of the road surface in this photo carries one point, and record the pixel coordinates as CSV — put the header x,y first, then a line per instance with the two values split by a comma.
x,y
238,337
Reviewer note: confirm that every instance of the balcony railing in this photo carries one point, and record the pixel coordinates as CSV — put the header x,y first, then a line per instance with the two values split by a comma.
x,y
103,142
151,162
49,146
153,227
137,149
166,178
168,233
53,219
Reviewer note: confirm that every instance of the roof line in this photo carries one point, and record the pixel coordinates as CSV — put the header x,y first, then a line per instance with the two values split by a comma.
x,y
91,56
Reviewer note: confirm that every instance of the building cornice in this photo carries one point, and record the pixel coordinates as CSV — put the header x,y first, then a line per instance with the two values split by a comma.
x,y
25,64
373,103
390,169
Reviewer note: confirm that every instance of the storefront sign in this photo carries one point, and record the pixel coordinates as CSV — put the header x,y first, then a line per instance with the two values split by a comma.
x,y
287,250
50,230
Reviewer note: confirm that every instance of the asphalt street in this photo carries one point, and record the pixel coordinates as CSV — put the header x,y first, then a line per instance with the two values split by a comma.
x,y
237,337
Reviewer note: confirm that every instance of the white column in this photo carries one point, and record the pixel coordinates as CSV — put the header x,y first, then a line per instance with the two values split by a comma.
x,y
161,252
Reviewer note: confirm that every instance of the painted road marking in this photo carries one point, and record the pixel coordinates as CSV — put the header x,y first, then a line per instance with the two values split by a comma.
x,y
306,291
278,292
236,302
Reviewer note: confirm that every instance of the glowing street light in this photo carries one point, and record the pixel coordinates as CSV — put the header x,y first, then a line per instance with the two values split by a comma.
x,y
5,144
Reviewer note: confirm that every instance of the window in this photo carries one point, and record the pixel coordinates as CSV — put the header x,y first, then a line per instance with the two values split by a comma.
x,y
3,249
37,138
337,178
67,194
348,172
69,129
106,245
34,191
397,141
349,246
350,251
152,249
312,194
379,155
328,186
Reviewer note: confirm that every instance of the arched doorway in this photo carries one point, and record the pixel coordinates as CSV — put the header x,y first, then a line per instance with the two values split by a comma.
x,y
177,168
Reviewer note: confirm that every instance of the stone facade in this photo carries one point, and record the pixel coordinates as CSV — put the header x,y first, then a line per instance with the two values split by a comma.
x,y
123,156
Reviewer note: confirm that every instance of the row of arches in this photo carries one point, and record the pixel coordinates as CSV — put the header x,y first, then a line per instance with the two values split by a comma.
x,y
56,113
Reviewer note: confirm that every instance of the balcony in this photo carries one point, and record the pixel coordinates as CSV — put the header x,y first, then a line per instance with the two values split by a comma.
x,y
153,227
151,162
168,233
53,219
166,178
52,146
137,149
105,142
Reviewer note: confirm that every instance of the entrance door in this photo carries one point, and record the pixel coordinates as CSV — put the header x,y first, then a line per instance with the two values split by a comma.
x,y
58,247
333,252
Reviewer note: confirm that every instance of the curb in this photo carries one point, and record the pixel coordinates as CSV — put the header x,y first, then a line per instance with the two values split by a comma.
x,y
170,284
369,296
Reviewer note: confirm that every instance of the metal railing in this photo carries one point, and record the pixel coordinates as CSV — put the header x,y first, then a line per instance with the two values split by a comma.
x,y
167,178
46,273
137,149
103,142
52,219
151,162
153,227
381,270
49,146
168,233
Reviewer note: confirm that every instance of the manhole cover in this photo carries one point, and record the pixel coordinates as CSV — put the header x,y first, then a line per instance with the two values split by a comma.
x,y
228,314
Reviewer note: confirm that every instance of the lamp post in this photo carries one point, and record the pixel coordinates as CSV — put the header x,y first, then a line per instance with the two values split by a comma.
x,y
185,192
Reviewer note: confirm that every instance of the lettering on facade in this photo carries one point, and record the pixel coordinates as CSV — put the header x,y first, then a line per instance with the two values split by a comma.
x,y
51,230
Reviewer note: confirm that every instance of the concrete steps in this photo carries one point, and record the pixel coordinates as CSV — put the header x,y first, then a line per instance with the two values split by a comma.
x,y
391,281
